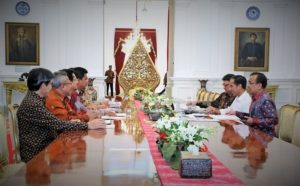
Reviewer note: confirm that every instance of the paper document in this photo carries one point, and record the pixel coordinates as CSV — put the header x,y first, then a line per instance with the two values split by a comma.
x,y
225,117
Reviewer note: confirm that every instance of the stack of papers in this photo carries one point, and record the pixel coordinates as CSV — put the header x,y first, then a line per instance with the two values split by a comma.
x,y
118,116
200,117
114,104
226,117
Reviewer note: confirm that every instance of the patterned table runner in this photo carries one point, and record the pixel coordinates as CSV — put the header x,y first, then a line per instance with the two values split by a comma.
x,y
221,175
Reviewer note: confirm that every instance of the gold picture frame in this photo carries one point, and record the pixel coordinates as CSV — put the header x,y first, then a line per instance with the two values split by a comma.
x,y
22,43
251,51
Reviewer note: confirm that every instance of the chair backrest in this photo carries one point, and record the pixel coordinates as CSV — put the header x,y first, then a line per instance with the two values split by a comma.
x,y
287,121
272,90
296,132
12,113
3,141
206,96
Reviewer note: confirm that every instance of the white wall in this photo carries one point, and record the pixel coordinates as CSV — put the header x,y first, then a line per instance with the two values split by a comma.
x,y
81,33
74,33
204,43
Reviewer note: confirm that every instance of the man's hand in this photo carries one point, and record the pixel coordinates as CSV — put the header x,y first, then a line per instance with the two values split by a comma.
x,y
92,114
212,110
248,120
96,124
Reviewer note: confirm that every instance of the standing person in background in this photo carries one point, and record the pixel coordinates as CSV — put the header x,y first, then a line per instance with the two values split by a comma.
x,y
110,75
37,126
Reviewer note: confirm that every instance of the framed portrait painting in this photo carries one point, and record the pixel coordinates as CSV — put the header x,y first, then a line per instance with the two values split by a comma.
x,y
251,51
22,43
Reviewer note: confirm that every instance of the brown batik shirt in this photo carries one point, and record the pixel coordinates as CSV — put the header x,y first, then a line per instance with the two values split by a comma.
x,y
223,101
38,127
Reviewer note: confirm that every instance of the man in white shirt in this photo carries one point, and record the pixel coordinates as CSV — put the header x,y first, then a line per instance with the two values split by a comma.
x,y
242,100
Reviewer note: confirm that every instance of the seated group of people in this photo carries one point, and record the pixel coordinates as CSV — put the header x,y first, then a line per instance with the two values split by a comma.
x,y
249,102
52,105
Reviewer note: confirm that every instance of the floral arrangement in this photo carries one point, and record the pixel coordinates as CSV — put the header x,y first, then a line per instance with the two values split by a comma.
x,y
139,93
155,103
176,134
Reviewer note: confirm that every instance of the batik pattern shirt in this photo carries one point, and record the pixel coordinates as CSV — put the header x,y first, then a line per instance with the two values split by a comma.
x,y
263,111
59,106
223,101
38,127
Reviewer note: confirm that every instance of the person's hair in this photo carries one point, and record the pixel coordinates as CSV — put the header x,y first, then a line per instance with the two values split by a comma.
x,y
260,78
69,72
37,77
59,78
240,80
253,34
79,72
227,77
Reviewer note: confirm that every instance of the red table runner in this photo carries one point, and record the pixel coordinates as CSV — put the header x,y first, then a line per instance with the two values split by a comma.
x,y
221,175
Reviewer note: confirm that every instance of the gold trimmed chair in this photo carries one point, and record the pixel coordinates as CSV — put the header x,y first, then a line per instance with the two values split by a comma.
x,y
3,141
296,132
287,122
12,114
206,96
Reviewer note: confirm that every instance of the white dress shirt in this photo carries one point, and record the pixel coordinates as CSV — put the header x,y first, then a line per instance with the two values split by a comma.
x,y
240,103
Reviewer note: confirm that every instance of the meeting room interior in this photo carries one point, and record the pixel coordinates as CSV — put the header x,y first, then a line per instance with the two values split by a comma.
x,y
149,92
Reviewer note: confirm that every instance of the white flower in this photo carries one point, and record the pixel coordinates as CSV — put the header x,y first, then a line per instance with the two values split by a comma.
x,y
193,149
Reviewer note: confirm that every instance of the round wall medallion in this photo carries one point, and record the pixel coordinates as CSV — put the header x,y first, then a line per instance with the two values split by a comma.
x,y
22,8
253,13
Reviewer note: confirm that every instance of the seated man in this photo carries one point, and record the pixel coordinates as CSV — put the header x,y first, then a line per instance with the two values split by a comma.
x,y
37,126
57,100
263,114
224,100
76,102
242,100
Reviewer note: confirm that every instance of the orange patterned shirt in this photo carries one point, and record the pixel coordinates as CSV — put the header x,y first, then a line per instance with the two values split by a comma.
x,y
60,107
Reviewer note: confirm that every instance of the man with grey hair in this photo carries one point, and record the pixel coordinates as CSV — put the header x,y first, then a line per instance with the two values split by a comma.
x,y
58,102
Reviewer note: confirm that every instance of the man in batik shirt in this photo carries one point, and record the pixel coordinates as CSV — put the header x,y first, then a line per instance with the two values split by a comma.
x,y
263,114
226,98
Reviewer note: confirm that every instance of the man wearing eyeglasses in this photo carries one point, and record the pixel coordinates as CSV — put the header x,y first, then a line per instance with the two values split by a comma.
x,y
263,114
57,101
223,101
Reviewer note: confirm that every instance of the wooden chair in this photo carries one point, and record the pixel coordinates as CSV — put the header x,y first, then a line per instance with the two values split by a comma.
x,y
286,123
12,114
9,169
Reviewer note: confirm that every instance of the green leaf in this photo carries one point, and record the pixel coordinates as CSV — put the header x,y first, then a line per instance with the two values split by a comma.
x,y
175,160
168,150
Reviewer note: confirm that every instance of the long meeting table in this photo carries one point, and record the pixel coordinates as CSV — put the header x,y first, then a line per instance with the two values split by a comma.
x,y
120,155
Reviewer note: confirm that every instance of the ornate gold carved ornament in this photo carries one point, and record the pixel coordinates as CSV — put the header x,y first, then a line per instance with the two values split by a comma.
x,y
139,70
